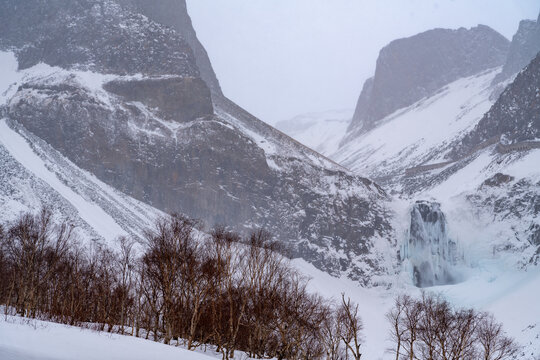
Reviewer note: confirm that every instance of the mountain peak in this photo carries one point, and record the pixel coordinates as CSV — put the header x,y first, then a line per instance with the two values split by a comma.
x,y
174,14
411,68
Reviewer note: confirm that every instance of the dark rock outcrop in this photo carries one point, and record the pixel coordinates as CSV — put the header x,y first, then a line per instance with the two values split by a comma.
x,y
497,180
534,238
177,99
412,68
92,35
516,114
173,13
524,47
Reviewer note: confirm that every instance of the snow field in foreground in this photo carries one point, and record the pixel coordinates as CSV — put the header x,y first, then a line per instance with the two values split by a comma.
x,y
22,339
511,295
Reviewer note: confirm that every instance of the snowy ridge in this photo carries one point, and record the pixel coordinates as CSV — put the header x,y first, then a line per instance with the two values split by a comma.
x,y
270,139
421,133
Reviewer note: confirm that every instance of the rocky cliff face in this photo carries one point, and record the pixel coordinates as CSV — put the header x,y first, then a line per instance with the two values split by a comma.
x,y
121,96
174,14
413,68
515,115
524,47
92,35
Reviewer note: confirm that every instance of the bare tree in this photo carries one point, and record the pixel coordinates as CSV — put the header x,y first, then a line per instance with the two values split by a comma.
x,y
351,329
494,344
398,331
331,332
170,248
238,293
126,260
432,329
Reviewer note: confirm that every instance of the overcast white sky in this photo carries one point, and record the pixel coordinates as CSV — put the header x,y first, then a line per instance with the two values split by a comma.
x,y
280,58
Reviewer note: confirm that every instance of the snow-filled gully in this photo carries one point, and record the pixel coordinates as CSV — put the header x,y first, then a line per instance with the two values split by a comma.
x,y
94,215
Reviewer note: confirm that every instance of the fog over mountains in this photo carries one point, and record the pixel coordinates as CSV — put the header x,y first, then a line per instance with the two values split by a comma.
x,y
112,115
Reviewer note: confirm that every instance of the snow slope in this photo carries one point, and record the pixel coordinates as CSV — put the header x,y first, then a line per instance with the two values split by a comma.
x,y
503,216
320,131
34,175
23,339
420,133
94,216
511,295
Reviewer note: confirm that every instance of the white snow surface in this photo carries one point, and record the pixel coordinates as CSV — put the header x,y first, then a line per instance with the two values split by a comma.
x,y
22,339
510,294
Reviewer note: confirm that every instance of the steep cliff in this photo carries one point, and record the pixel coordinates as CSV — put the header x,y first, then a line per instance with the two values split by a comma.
x,y
173,13
122,97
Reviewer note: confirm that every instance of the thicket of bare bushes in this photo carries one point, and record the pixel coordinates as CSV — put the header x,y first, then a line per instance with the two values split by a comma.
x,y
431,329
233,292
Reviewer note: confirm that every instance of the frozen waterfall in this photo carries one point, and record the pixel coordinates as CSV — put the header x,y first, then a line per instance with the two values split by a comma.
x,y
428,250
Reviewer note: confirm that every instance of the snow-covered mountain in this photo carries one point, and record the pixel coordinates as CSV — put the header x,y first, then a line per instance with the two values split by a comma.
x,y
468,150
33,175
421,133
122,97
111,114
320,131
462,164
412,68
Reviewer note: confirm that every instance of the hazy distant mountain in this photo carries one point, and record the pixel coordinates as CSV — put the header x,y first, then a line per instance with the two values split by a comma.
x,y
428,90
524,47
413,68
320,131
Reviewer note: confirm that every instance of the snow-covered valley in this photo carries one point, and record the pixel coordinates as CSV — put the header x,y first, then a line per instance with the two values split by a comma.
x,y
440,196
